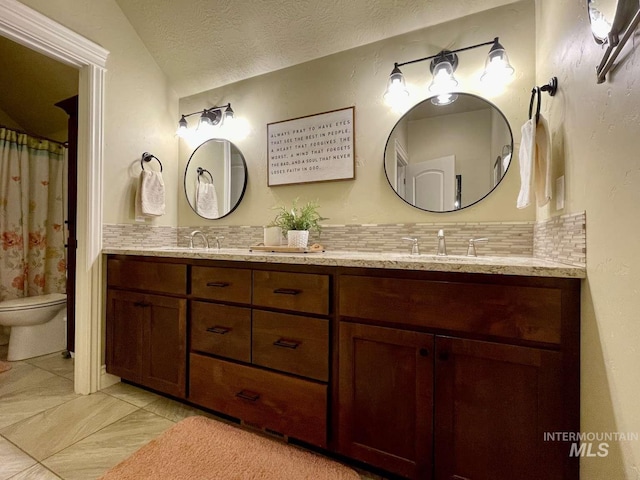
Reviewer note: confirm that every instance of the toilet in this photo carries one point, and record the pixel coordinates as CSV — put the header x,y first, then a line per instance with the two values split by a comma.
x,y
38,325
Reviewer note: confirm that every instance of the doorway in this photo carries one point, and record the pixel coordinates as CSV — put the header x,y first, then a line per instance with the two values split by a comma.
x,y
38,32
31,87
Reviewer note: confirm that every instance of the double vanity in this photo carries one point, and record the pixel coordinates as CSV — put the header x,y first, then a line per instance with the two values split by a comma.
x,y
422,366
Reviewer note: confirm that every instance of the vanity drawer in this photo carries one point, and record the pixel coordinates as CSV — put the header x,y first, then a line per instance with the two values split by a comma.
x,y
221,330
301,292
291,343
223,284
291,406
519,312
150,276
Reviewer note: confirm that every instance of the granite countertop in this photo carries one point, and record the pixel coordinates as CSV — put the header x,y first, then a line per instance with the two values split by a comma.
x,y
452,263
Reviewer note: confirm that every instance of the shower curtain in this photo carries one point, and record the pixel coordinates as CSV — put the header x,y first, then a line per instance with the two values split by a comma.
x,y
32,196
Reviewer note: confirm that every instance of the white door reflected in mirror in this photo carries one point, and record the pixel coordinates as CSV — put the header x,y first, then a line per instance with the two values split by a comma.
x,y
441,158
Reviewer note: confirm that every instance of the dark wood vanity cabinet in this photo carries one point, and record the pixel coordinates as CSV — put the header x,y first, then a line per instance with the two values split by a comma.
x,y
256,353
427,375
458,377
385,411
493,403
146,332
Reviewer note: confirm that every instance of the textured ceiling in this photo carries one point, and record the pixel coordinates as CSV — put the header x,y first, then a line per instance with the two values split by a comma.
x,y
204,44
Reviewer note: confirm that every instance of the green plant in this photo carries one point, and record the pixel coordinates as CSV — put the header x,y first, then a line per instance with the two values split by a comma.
x,y
305,217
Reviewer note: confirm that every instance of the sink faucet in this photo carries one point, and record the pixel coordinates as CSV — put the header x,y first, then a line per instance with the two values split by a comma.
x,y
442,244
415,248
218,241
193,235
471,250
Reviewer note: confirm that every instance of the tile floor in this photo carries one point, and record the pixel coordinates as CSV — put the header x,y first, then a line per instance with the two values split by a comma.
x,y
48,432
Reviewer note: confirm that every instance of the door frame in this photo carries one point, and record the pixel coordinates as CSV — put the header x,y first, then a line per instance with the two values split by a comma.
x,y
41,34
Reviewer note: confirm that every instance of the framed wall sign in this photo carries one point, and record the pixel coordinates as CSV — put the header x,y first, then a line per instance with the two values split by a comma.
x,y
315,148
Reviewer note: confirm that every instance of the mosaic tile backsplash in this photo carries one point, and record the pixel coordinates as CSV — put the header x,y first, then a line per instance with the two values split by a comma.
x,y
561,239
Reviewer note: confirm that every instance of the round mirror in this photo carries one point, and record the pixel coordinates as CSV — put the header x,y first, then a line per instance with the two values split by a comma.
x,y
215,178
442,158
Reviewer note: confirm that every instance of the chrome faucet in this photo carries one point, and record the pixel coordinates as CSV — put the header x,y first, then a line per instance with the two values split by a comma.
x,y
415,248
218,241
193,235
442,244
471,250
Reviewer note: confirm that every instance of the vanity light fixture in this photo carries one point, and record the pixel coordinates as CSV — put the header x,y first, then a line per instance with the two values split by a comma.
x,y
209,117
443,66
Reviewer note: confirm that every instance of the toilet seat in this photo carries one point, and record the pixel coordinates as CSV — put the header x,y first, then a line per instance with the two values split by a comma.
x,y
38,301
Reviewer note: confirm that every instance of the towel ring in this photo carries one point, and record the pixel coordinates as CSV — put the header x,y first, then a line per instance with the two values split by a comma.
x,y
146,157
551,88
202,171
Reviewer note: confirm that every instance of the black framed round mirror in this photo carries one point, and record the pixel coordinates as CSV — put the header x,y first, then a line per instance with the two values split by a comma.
x,y
215,179
442,158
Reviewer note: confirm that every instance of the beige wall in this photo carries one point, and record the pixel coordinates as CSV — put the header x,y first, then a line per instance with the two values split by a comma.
x,y
596,144
358,77
140,108
470,132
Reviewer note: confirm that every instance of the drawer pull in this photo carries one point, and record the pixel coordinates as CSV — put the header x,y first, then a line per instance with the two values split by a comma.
x,y
141,304
246,395
218,284
218,330
292,344
287,291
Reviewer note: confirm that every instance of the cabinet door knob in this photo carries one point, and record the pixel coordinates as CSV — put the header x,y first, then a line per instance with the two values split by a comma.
x,y
424,352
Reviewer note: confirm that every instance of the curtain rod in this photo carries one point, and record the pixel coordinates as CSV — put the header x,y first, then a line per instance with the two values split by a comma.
x,y
37,137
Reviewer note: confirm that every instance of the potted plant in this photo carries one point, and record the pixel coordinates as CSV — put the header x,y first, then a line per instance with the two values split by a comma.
x,y
297,221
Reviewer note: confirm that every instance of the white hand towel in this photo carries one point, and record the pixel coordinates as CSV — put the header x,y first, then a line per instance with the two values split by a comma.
x,y
526,156
150,195
542,168
206,200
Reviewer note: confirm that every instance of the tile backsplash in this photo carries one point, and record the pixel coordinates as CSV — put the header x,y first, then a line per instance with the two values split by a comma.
x,y
561,239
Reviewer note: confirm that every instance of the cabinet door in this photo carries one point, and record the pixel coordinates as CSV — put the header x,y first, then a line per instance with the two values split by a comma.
x,y
493,403
165,342
386,398
125,319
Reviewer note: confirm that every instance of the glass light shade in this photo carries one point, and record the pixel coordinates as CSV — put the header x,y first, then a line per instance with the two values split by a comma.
x,y
205,121
444,99
443,79
600,26
228,113
182,126
497,68
396,88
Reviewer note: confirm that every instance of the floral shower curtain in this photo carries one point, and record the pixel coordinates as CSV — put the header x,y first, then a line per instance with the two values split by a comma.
x,y
32,196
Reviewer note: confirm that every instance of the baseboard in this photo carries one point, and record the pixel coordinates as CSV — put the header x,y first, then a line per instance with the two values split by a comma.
x,y
106,379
